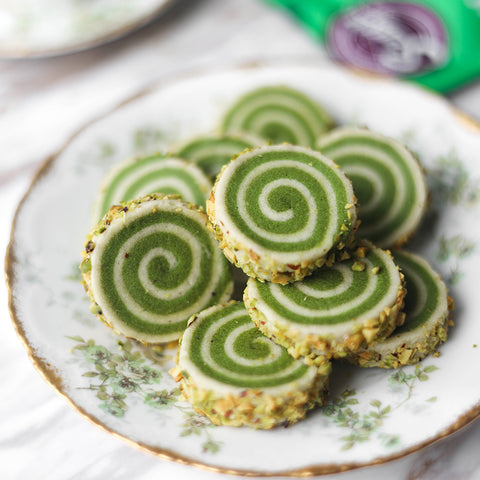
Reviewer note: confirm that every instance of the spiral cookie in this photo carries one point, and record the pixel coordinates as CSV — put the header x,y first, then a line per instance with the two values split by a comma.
x,y
281,211
211,152
278,114
154,174
427,308
334,311
150,264
236,376
387,181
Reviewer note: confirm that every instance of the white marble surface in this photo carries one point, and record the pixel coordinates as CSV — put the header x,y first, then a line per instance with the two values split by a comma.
x,y
42,102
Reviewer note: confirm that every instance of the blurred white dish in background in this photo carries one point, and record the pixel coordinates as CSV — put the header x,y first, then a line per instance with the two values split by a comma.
x,y
52,27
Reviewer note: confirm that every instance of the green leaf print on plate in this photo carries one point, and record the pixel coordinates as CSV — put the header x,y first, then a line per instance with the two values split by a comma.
x,y
117,377
362,426
450,181
454,251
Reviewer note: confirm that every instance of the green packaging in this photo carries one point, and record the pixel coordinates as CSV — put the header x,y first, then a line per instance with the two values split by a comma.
x,y
433,42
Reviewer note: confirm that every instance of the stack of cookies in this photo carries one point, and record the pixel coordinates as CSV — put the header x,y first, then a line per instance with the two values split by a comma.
x,y
308,213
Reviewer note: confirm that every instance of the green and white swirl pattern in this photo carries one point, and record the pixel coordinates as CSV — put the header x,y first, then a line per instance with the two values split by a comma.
x,y
387,180
289,205
278,114
426,309
426,298
153,174
153,266
223,351
331,304
211,152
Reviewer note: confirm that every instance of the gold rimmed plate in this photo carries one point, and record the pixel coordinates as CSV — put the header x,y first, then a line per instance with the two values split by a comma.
x,y
125,387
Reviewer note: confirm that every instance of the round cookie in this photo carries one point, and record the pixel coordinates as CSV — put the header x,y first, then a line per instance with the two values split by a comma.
x,y
278,114
150,264
212,152
236,376
281,211
387,179
336,310
137,177
427,310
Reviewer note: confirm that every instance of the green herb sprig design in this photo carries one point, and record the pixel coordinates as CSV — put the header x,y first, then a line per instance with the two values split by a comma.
x,y
363,426
116,377
454,250
360,426
400,379
449,181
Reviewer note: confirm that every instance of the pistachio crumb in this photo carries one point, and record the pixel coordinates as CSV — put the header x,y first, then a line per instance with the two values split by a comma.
x,y
86,265
95,309
330,260
358,266
361,252
375,270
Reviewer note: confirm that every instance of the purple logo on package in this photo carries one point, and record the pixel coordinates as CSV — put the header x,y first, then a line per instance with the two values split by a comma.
x,y
389,37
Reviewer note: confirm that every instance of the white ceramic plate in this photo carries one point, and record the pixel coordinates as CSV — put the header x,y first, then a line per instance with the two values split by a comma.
x,y
33,28
373,415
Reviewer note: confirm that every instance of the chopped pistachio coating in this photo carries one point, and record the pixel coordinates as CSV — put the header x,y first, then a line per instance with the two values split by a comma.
x,y
236,376
387,180
336,310
150,264
278,114
279,212
427,318
137,177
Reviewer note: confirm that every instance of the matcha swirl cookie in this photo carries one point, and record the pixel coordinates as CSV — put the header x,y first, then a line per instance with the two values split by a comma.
x,y
236,376
150,264
153,174
281,211
212,152
278,114
336,310
387,180
427,310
